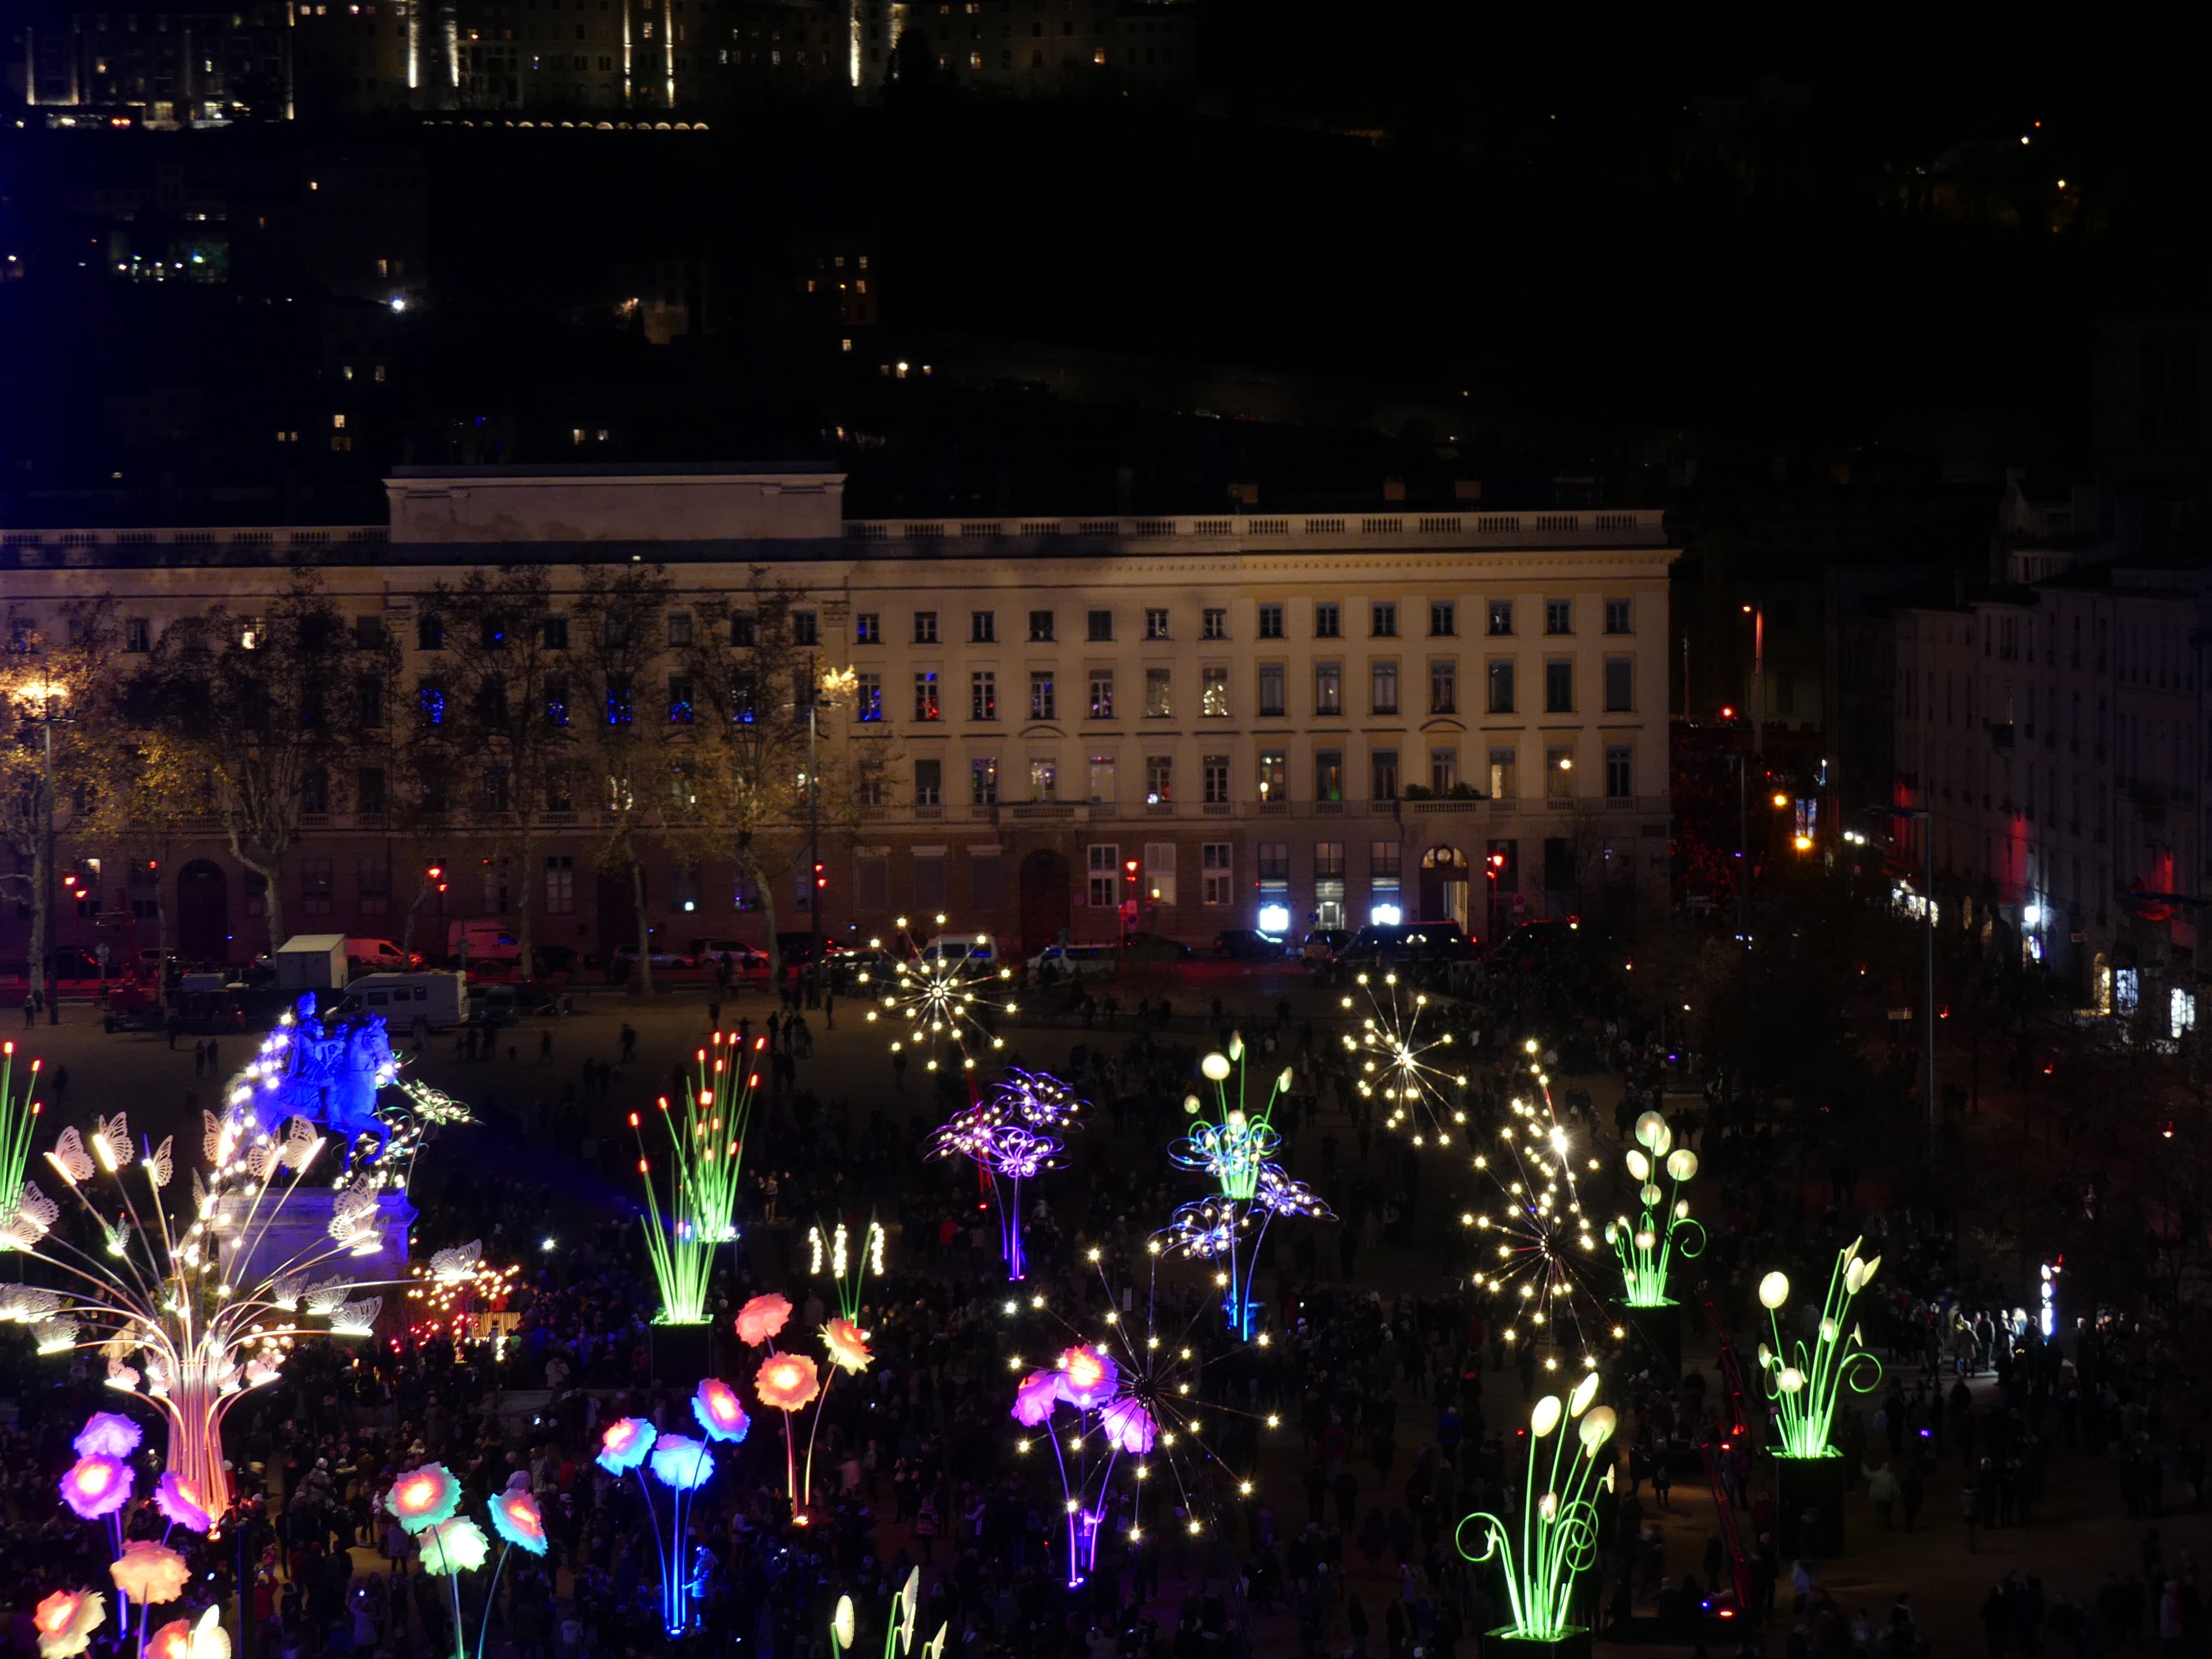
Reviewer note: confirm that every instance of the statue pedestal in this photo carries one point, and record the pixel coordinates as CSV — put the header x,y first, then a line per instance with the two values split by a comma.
x,y
259,1244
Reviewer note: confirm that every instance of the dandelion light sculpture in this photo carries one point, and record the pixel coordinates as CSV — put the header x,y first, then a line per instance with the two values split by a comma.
x,y
1802,1379
1644,1248
1557,1529
1224,1230
1398,1065
1011,1132
707,1138
194,1304
939,998
1533,1242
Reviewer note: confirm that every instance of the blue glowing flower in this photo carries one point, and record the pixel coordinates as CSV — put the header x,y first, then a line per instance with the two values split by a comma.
x,y
682,1463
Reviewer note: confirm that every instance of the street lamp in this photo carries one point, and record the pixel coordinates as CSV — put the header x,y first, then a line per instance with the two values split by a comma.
x,y
822,692
47,695
1927,820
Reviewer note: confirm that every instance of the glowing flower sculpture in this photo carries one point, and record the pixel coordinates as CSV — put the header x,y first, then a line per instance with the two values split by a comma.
x,y
184,1638
721,1414
762,1318
787,1382
147,1571
105,1434
454,1547
1232,1148
842,1338
1645,1248
96,1487
427,1501
155,1293
707,1138
1803,1386
519,1521
1011,1135
1533,1249
624,1444
938,998
65,1621
181,1506
1421,1099
1558,1519
682,1465
19,1115
847,1345
422,1497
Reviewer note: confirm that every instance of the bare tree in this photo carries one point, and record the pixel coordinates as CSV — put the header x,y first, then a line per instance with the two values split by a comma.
x,y
618,638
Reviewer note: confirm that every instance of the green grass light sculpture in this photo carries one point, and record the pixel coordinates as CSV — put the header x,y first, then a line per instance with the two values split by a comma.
x,y
1803,1382
17,1118
1558,1520
1663,1229
707,1140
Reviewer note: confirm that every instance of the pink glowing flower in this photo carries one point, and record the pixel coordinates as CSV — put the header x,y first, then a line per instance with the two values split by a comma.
x,y
105,1434
95,1486
720,1412
516,1517
848,1344
624,1444
147,1571
1086,1378
1038,1392
1129,1426
423,1497
65,1621
180,1638
179,1504
787,1382
762,1318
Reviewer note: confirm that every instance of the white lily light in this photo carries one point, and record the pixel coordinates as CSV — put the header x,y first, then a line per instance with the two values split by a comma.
x,y
1803,1385
1558,1526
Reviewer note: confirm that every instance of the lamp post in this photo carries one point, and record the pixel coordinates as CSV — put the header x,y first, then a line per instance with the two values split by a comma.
x,y
46,696
1927,820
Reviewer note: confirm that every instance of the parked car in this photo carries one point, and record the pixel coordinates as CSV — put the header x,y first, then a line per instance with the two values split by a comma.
x,y
743,958
380,956
796,947
1155,947
1066,961
625,958
1385,942
1321,945
1247,945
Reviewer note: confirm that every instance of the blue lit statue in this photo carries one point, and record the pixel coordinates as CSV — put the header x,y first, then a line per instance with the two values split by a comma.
x,y
330,1075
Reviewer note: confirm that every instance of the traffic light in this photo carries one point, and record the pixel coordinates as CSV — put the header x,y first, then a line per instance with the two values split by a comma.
x,y
821,880
435,875
1129,870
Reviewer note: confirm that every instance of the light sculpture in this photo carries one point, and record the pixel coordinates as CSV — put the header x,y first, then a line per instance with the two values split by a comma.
x,y
1421,1099
98,1486
1645,1248
1557,1529
683,1465
1011,1132
707,1138
936,998
898,1628
426,1502
1802,1378
19,1115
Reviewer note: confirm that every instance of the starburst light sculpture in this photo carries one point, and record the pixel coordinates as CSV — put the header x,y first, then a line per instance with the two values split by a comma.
x,y
938,998
1398,1060
707,1142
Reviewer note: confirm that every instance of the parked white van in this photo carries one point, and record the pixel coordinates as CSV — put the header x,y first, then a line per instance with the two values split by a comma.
x,y
980,948
1077,962
369,955
482,941
439,1002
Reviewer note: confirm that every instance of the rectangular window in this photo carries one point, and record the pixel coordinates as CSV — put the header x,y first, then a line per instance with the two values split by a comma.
x,y
1328,622
1044,778
1501,685
1099,626
430,699
1214,624
315,887
1159,780
1444,772
372,889
983,781
868,629
1444,685
1328,687
1619,771
1616,617
368,791
368,702
1558,615
1504,772
925,628
1558,685
1102,694
560,797
1619,685
1042,704
1382,858
986,887
1274,775
872,878
1328,774
929,782
1443,619
1159,872
679,630
1385,619
1559,774
1271,622
683,888
871,783
1103,873
1156,624
1271,702
554,630
1329,858
1214,694
744,630
1274,860
1383,686
1040,628
431,633
1501,617
622,700
806,628
983,628
1383,767
1101,778
138,634
868,697
679,699
1217,872
929,878
1159,694
924,695
983,695
1213,775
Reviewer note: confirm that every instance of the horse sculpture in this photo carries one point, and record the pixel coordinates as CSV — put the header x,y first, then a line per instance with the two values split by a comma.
x,y
334,1075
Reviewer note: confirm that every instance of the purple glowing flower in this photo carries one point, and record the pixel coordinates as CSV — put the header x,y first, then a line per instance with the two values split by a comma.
x,y
96,1487
105,1434
1087,1377
1038,1392
1129,1426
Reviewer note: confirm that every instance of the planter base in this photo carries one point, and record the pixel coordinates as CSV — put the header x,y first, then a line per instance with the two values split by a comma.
x,y
1570,1644
682,1354
1658,1332
1810,1504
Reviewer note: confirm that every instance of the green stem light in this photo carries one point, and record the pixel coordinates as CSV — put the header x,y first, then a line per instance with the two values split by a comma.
x,y
1558,1528
1804,1386
707,1157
